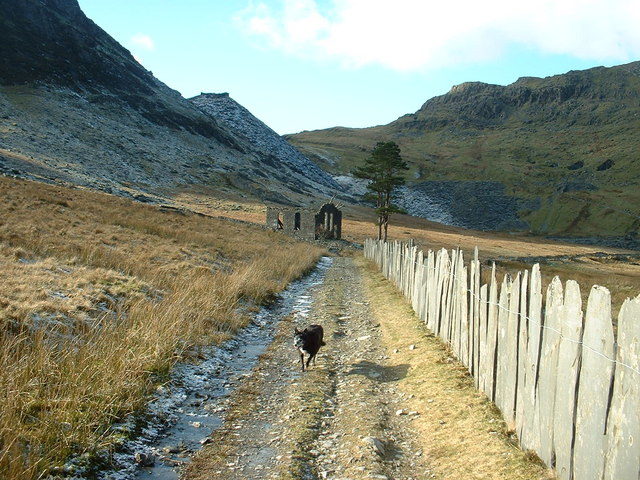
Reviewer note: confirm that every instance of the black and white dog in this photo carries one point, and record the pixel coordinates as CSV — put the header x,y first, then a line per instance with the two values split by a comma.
x,y
308,341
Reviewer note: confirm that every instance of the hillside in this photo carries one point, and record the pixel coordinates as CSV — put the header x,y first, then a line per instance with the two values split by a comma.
x,y
77,108
563,150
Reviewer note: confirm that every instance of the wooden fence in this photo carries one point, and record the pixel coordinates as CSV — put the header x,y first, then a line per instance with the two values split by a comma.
x,y
560,379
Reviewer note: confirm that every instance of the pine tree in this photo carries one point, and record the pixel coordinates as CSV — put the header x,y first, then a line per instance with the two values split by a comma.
x,y
384,170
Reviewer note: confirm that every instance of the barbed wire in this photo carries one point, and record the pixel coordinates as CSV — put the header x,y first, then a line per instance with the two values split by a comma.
x,y
535,322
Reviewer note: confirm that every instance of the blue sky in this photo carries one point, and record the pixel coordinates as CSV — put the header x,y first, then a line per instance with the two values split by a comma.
x,y
309,64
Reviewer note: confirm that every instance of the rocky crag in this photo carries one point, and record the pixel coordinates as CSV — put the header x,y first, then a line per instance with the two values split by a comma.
x,y
77,108
564,149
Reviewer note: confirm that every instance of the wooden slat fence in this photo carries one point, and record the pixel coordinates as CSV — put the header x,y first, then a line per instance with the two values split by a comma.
x,y
563,382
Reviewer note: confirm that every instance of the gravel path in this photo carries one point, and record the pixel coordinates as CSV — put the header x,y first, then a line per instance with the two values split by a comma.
x,y
342,419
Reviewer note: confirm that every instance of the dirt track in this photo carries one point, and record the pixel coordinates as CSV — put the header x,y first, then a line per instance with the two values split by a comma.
x,y
350,417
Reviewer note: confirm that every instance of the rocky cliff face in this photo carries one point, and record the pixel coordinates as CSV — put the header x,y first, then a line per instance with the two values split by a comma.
x,y
567,97
76,107
562,149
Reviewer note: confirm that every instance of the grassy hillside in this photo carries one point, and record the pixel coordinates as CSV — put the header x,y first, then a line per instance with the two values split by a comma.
x,y
569,140
99,296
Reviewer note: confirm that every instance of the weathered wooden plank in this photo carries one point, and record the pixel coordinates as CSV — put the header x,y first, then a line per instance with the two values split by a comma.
x,y
430,289
523,339
443,280
475,335
411,272
530,438
423,289
567,380
623,458
456,328
471,318
447,299
456,317
501,367
416,286
596,371
483,361
454,305
463,317
492,336
511,353
546,396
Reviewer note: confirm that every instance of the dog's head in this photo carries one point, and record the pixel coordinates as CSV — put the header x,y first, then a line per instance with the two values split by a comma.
x,y
298,340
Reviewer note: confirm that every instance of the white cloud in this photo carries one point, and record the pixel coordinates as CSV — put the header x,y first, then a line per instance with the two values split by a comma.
x,y
417,34
143,41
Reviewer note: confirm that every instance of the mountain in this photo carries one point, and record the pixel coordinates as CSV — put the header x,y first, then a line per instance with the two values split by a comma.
x,y
76,107
557,156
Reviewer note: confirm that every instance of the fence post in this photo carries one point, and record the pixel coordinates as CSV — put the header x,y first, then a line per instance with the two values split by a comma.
x,y
483,361
511,353
530,438
501,357
463,315
546,394
492,336
523,336
567,377
474,318
623,460
443,274
593,387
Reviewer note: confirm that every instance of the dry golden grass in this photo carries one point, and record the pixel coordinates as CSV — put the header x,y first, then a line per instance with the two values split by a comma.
x,y
179,279
50,287
461,433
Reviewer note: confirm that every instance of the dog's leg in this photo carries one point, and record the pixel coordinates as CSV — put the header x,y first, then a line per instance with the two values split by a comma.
x,y
314,359
302,360
309,361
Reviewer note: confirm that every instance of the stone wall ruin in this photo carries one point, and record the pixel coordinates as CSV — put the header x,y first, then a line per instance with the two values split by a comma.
x,y
307,224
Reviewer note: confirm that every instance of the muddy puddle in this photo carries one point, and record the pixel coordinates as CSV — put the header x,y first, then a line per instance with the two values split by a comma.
x,y
187,409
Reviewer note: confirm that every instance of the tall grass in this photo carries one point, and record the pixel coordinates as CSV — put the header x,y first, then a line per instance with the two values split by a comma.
x,y
60,394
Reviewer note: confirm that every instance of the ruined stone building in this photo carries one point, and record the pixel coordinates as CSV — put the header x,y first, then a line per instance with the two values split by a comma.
x,y
307,224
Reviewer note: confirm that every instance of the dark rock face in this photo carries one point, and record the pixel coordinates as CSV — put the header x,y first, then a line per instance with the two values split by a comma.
x,y
606,165
576,165
52,41
471,204
482,105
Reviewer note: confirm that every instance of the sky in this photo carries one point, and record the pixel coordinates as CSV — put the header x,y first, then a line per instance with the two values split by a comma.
x,y
311,64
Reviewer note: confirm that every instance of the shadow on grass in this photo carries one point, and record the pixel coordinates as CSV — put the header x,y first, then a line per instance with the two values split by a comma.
x,y
379,373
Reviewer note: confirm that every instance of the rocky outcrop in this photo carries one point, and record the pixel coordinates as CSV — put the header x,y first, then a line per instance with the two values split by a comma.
x,y
272,147
485,105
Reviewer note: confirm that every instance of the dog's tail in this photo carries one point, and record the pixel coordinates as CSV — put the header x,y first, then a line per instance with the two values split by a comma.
x,y
322,344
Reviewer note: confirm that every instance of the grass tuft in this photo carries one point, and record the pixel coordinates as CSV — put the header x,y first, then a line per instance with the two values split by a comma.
x,y
100,296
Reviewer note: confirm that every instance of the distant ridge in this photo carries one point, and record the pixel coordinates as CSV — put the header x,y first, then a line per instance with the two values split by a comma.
x,y
564,147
